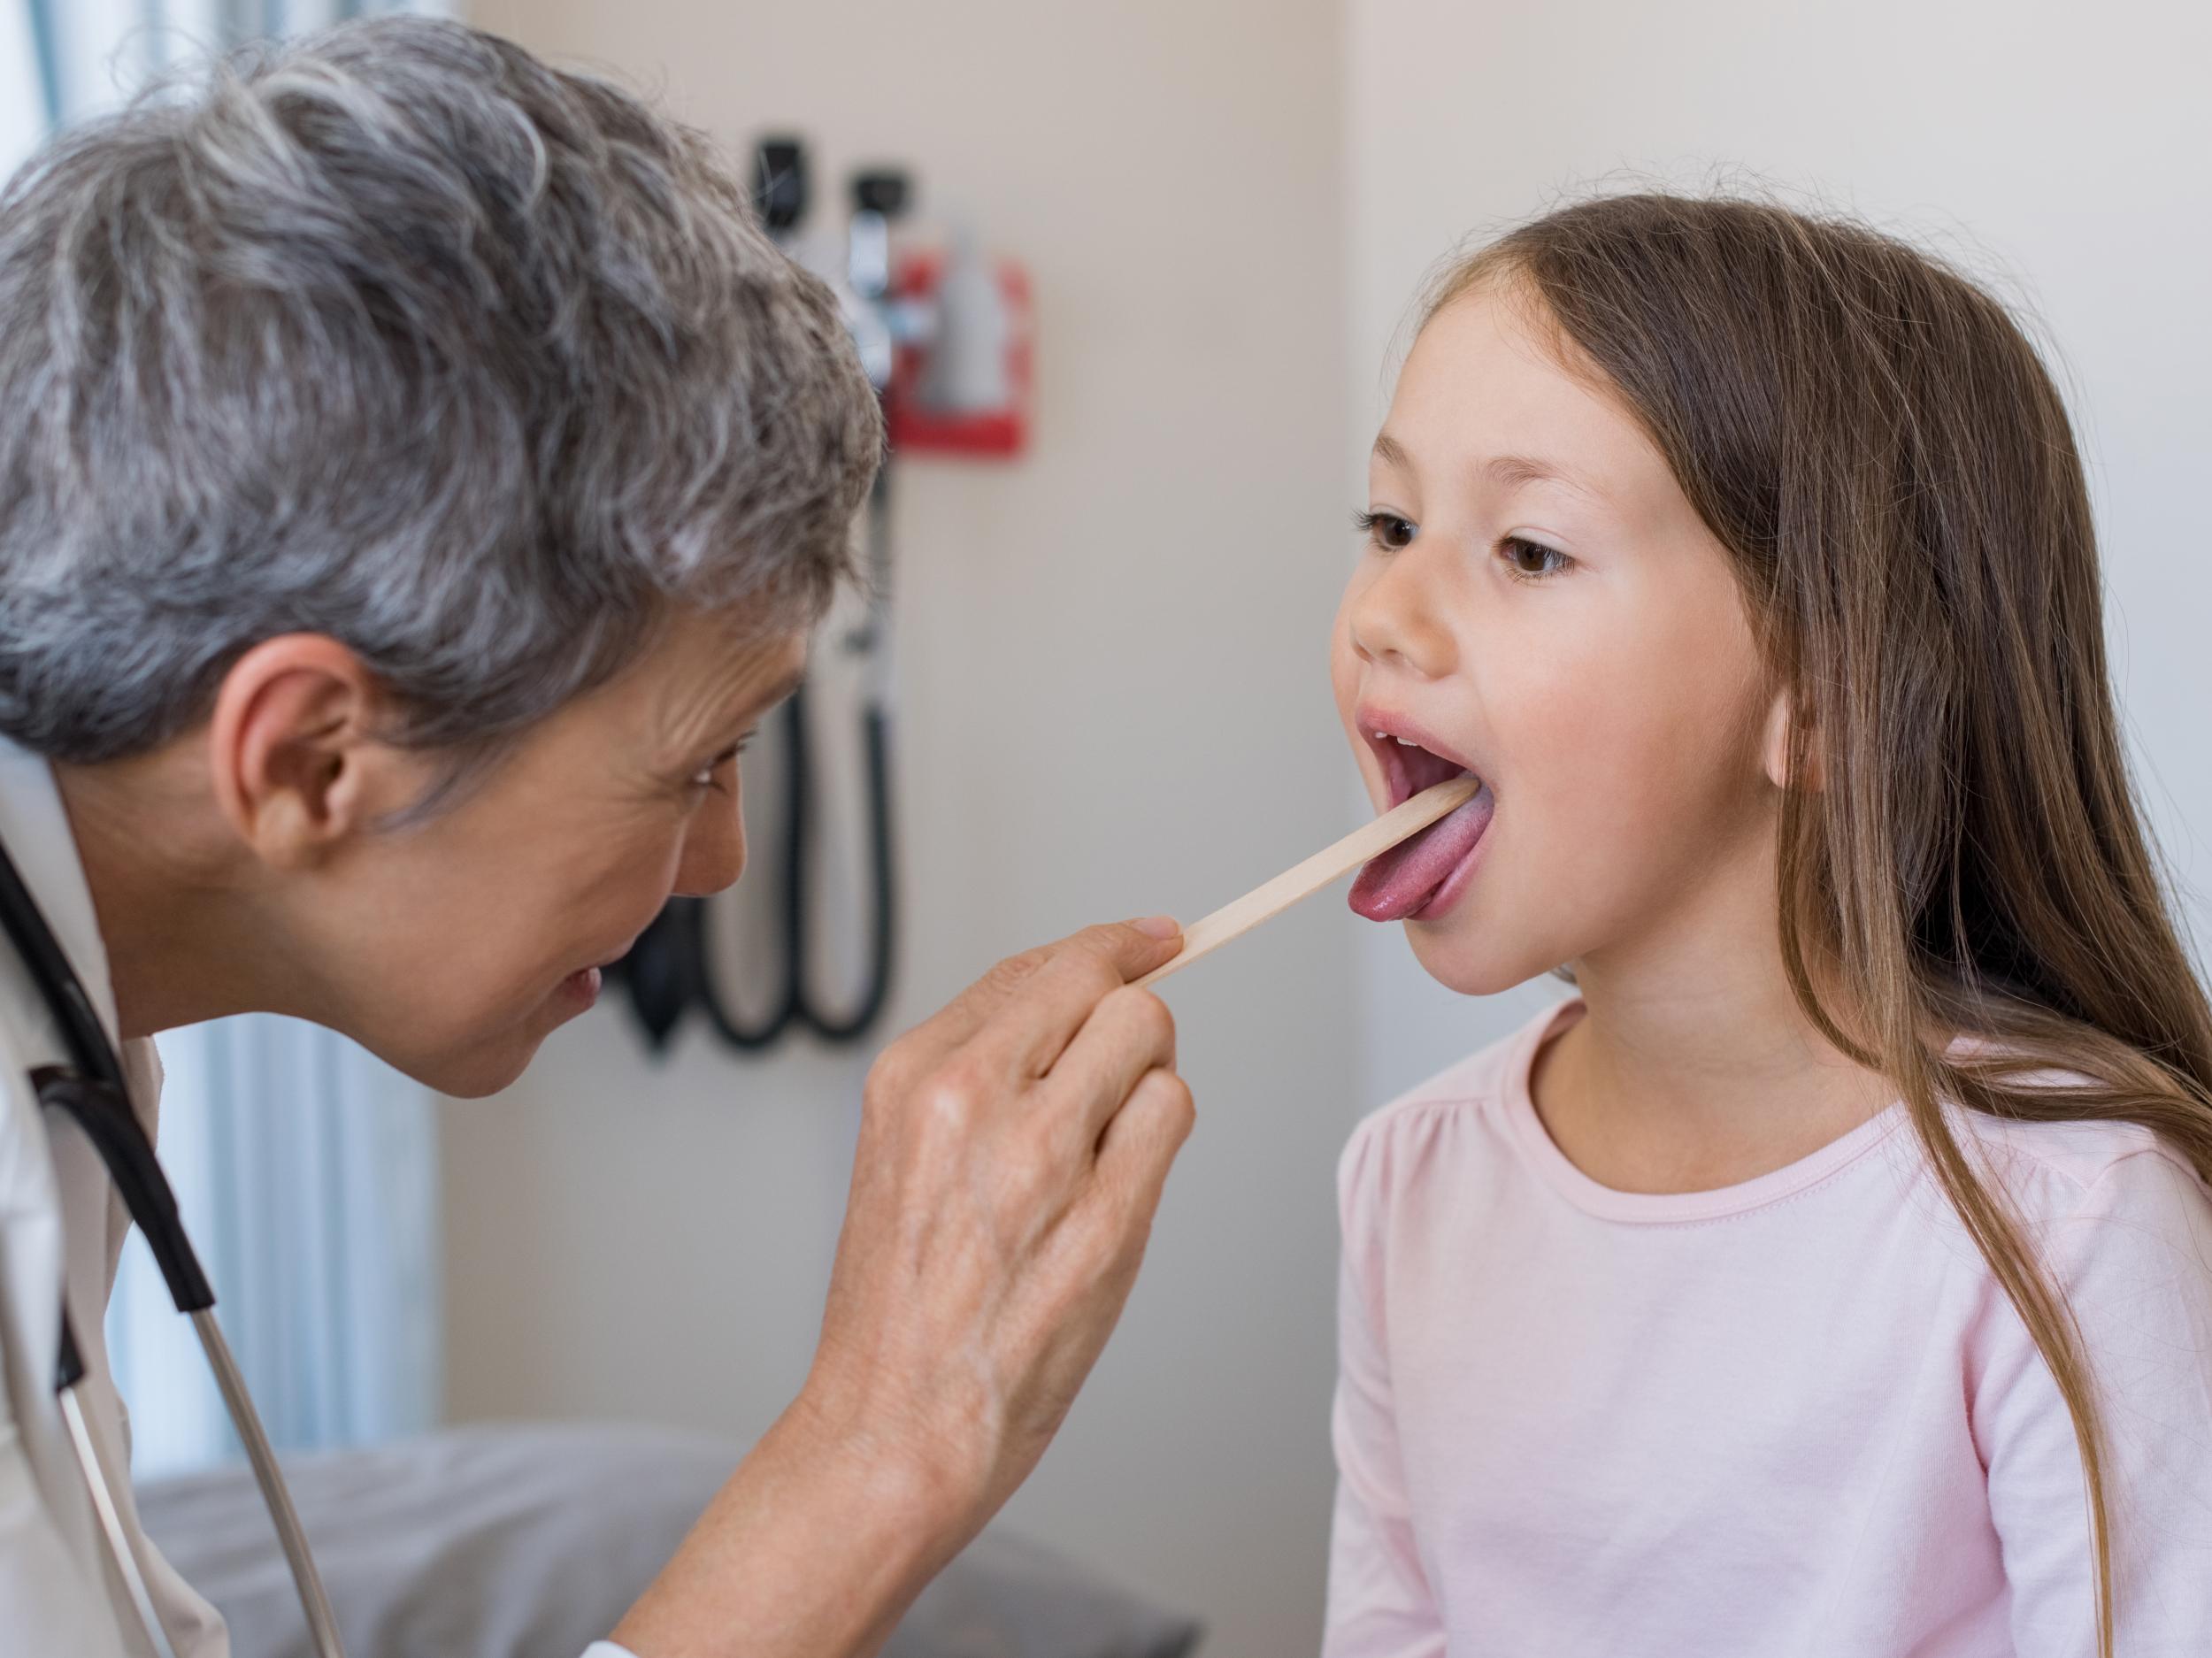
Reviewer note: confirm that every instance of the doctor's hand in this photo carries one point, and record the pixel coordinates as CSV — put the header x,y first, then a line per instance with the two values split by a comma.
x,y
1011,1156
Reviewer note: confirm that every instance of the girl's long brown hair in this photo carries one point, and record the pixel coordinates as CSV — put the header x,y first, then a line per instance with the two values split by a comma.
x,y
1878,445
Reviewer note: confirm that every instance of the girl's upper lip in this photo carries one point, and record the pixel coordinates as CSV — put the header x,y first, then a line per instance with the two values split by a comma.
x,y
1373,720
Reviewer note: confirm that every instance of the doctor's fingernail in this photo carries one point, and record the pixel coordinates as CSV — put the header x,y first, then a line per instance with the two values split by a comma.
x,y
1158,926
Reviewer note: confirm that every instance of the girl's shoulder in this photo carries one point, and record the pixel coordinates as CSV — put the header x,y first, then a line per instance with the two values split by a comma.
x,y
2121,1223
2054,1167
2116,1212
2051,1172
1471,1100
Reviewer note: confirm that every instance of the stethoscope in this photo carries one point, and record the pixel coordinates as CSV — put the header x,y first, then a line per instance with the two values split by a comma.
x,y
90,1092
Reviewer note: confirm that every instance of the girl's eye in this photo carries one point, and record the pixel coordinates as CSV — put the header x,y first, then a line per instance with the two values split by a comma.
x,y
1527,561
1386,531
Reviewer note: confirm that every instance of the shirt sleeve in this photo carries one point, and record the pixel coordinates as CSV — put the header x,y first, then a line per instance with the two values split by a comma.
x,y
607,1649
1380,1605
2135,1260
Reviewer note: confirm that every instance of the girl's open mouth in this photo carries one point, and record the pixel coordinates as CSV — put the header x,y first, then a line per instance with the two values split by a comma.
x,y
1420,878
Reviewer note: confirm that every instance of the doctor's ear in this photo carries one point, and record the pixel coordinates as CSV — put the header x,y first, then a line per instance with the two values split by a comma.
x,y
1774,747
298,767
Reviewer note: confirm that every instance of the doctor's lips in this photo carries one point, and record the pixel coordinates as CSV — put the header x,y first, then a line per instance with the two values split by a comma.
x,y
583,985
1419,879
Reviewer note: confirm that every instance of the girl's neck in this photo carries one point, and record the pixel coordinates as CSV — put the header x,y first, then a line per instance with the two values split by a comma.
x,y
1693,1067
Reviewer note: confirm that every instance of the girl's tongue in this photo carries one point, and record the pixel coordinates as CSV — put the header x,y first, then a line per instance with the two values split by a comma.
x,y
1399,882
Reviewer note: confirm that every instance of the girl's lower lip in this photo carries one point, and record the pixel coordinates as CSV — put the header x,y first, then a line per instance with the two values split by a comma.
x,y
582,987
1455,884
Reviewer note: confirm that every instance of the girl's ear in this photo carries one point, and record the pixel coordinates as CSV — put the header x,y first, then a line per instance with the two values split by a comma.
x,y
1774,748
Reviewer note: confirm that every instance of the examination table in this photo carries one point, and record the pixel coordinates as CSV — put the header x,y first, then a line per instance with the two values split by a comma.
x,y
529,1541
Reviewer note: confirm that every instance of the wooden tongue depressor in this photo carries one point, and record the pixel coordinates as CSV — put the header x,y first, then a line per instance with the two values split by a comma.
x,y
1265,904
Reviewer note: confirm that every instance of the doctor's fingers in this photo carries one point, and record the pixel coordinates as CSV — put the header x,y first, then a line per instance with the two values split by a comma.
x,y
1125,952
1024,1040
1128,1034
1137,1150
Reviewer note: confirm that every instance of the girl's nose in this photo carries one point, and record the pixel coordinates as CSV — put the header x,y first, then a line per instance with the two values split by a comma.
x,y
1400,619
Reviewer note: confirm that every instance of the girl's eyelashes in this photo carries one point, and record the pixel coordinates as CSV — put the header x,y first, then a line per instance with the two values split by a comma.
x,y
1386,532
1527,560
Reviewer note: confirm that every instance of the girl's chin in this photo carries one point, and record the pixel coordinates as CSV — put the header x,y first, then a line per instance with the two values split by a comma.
x,y
1454,954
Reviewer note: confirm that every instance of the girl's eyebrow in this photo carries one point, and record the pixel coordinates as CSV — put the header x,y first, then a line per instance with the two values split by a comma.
x,y
1506,472
1514,472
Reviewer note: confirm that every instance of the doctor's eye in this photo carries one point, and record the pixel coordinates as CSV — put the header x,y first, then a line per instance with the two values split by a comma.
x,y
1531,561
1386,532
705,776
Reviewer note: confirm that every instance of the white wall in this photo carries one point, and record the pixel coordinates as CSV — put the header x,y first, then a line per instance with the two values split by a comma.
x,y
2066,144
1115,701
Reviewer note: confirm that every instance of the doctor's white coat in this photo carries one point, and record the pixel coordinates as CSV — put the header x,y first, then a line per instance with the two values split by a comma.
x,y
62,1225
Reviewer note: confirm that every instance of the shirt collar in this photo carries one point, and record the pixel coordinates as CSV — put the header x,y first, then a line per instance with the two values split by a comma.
x,y
35,828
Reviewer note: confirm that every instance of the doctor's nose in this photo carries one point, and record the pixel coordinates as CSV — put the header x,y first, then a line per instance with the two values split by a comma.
x,y
1398,620
714,847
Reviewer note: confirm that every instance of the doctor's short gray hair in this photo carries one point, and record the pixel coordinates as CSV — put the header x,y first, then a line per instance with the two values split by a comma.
x,y
398,335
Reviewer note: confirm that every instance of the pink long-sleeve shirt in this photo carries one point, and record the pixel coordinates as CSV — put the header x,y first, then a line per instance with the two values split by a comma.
x,y
1791,1416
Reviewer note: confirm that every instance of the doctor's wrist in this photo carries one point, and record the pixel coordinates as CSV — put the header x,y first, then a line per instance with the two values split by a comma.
x,y
940,1484
814,1548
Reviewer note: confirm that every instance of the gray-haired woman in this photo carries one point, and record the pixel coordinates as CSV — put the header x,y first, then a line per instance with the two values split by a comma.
x,y
417,475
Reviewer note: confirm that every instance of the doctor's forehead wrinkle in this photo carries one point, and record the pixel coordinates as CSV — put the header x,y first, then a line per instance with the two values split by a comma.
x,y
776,696
697,713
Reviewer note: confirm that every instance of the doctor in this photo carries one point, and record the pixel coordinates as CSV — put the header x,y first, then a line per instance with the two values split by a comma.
x,y
417,477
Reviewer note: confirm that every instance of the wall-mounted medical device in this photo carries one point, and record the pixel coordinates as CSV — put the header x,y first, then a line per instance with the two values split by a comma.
x,y
944,334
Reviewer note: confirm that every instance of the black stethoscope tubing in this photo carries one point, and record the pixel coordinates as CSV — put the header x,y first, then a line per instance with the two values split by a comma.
x,y
91,1092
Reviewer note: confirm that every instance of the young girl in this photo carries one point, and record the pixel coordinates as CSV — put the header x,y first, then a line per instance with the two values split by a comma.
x,y
1833,1275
